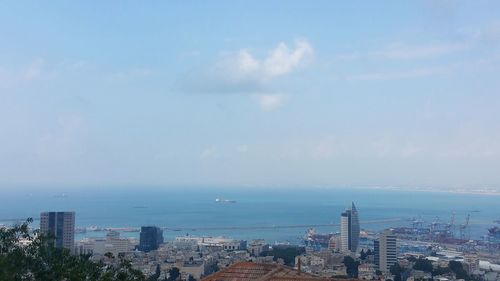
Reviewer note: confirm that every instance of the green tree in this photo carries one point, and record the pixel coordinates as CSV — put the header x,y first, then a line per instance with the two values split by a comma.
x,y
156,275
351,267
287,253
397,271
440,271
423,264
173,274
458,269
38,260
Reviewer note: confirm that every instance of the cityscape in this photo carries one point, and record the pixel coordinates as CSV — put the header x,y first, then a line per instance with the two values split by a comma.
x,y
238,140
434,250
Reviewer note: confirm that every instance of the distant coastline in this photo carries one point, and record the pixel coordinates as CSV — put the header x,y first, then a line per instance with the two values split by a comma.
x,y
485,191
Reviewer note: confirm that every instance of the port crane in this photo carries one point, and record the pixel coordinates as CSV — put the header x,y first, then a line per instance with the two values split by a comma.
x,y
451,225
417,222
464,227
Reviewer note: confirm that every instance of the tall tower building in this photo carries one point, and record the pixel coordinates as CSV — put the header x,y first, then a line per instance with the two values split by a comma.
x,y
349,230
61,225
385,253
150,238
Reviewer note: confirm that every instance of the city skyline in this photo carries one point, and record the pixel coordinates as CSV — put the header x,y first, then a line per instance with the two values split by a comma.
x,y
245,94
349,229
238,140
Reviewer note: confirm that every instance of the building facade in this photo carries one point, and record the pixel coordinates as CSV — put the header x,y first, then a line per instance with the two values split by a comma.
x,y
385,251
60,225
112,243
150,238
349,230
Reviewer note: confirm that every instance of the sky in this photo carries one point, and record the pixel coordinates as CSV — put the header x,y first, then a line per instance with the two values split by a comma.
x,y
250,93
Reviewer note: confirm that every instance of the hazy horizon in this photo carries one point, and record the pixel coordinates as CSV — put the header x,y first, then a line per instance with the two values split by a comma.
x,y
241,94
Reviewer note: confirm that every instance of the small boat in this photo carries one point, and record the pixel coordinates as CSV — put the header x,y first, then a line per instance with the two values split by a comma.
x,y
221,200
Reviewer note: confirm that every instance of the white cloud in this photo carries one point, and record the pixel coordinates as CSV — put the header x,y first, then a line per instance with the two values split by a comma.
x,y
131,73
282,60
325,148
403,74
34,70
410,149
39,70
243,72
402,51
242,148
64,142
208,153
268,102
489,63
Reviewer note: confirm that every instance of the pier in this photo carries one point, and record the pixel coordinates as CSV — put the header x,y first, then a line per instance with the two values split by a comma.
x,y
263,227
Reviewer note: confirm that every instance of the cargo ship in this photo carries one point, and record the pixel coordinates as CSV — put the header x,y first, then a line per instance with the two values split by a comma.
x,y
494,232
314,239
221,200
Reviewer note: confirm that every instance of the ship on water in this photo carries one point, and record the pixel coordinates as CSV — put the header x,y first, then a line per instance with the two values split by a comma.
x,y
222,200
494,232
314,239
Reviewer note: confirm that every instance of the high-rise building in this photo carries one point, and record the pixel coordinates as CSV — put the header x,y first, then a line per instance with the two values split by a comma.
x,y
349,230
150,239
60,225
385,251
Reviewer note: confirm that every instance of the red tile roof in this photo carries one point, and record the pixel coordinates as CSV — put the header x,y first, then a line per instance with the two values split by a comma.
x,y
249,271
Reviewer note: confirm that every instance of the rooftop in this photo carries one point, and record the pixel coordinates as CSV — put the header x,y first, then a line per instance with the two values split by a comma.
x,y
249,271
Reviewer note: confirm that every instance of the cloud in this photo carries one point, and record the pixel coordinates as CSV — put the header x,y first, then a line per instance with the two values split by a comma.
x,y
64,142
131,73
40,69
34,70
26,73
208,153
402,51
268,102
325,148
282,60
243,72
242,148
404,74
489,63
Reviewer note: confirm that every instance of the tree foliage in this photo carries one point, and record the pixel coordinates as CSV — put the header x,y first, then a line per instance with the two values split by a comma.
x,y
440,271
37,260
363,255
351,267
423,264
458,269
173,274
397,271
287,253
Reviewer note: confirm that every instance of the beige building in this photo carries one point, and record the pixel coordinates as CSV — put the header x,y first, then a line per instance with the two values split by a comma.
x,y
385,253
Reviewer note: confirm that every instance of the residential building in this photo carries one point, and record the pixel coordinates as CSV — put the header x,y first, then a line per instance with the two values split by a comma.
x,y
249,271
60,225
385,254
257,246
112,243
220,243
150,238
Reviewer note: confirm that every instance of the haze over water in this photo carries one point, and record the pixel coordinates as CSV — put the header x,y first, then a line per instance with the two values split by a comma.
x,y
196,208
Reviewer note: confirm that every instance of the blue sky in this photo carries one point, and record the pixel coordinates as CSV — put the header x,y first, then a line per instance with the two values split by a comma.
x,y
250,93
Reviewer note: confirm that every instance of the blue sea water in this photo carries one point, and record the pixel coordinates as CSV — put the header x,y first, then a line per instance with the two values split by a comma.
x,y
196,208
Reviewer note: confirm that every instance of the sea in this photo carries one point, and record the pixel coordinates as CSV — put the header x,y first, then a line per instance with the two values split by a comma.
x,y
257,213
